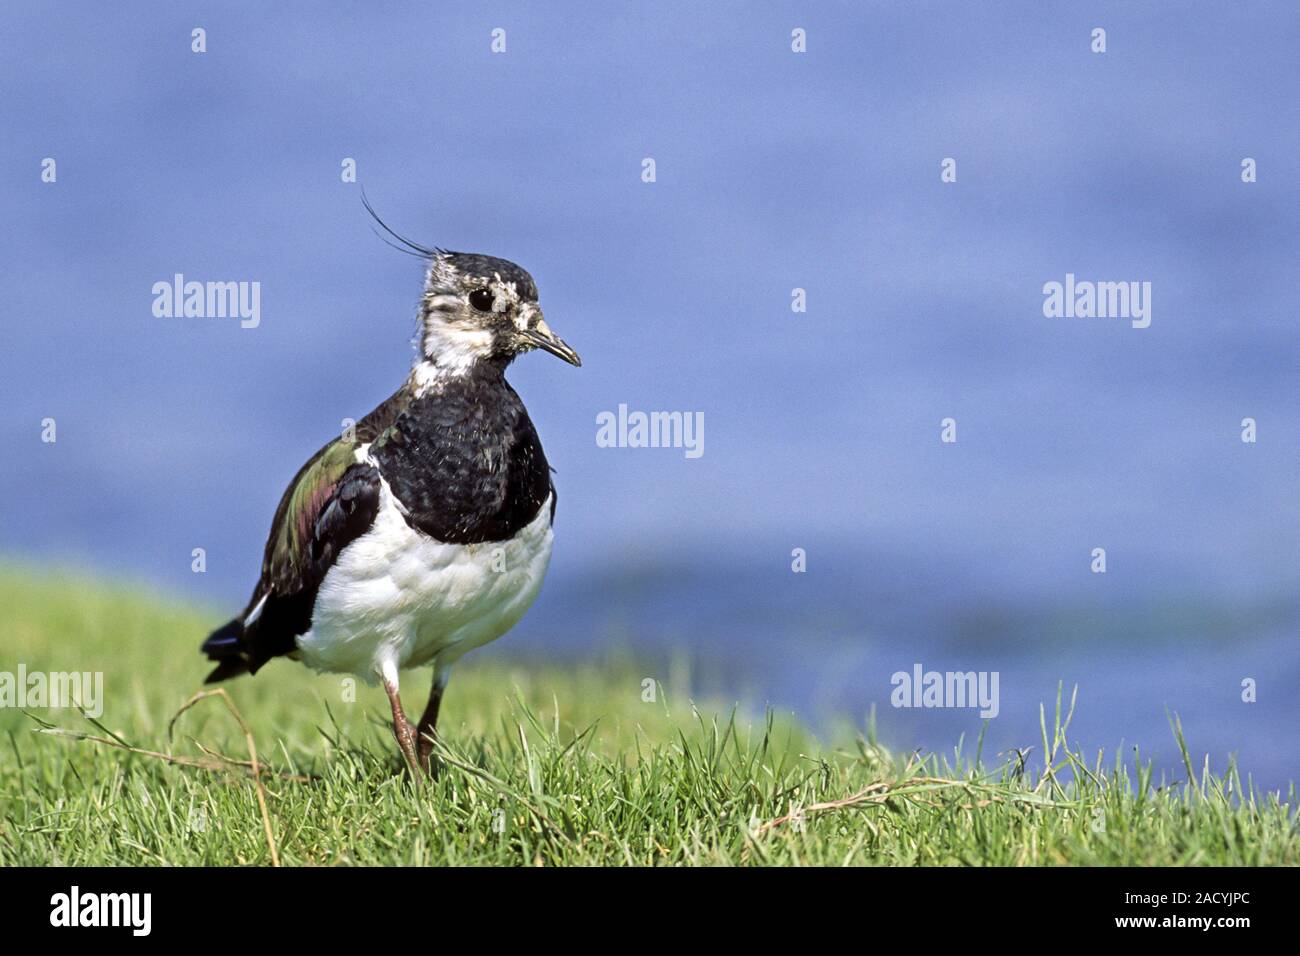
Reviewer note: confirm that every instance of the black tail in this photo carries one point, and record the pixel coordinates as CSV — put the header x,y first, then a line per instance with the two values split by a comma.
x,y
225,645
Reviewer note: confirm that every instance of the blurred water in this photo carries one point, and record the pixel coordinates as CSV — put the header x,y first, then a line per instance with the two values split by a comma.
x,y
826,648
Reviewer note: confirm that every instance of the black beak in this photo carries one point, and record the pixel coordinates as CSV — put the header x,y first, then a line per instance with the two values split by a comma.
x,y
541,336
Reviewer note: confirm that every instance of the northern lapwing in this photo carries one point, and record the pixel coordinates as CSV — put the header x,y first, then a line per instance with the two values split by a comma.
x,y
427,532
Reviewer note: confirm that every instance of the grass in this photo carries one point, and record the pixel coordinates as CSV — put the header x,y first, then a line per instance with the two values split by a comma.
x,y
543,766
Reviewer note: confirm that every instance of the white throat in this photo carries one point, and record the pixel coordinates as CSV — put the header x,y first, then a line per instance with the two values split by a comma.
x,y
449,351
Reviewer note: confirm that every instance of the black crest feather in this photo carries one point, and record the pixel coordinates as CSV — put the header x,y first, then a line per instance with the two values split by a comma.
x,y
403,244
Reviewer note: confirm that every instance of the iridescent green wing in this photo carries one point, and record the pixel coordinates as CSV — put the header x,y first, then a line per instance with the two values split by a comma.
x,y
315,518
332,501
293,547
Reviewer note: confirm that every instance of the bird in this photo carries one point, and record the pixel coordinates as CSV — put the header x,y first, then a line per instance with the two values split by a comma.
x,y
426,530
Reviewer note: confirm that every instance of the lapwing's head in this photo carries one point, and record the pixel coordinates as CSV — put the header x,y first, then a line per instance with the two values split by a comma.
x,y
476,308
479,307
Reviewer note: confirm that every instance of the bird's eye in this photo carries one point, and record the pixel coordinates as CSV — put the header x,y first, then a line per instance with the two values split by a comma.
x,y
482,299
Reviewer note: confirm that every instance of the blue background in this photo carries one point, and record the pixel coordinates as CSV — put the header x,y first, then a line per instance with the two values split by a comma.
x,y
775,171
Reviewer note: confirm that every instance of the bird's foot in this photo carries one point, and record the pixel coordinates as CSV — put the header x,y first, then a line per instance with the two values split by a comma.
x,y
428,761
405,734
403,730
426,734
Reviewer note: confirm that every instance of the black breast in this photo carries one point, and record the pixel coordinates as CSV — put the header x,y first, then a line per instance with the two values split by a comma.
x,y
465,461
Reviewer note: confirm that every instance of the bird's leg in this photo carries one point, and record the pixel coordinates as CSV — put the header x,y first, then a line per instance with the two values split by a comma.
x,y
426,733
402,728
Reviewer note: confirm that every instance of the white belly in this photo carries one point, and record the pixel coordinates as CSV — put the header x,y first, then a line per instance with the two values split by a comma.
x,y
396,598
